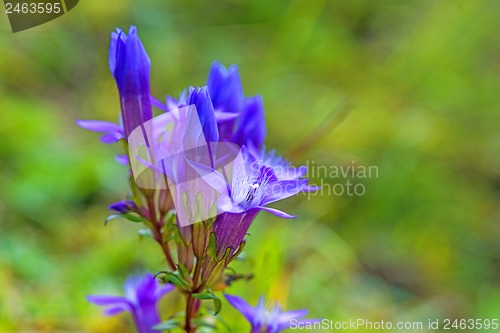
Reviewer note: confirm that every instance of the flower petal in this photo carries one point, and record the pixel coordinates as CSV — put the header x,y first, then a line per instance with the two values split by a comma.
x,y
221,116
123,206
122,159
117,37
302,323
211,177
205,109
277,212
131,72
290,173
99,126
111,137
251,128
105,300
285,317
311,188
226,205
248,311
116,309
162,290
282,189
227,95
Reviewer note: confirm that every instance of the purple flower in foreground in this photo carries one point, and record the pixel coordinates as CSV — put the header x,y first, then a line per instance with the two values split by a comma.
x,y
264,320
141,297
130,65
253,186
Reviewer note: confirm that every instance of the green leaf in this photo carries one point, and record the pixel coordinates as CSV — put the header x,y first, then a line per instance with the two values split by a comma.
x,y
211,248
176,279
238,251
206,295
183,270
170,217
210,295
128,216
133,217
217,306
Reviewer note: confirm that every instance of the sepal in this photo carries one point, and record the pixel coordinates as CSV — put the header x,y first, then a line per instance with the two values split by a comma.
x,y
128,216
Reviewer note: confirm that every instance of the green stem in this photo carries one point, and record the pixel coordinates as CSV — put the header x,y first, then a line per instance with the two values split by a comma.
x,y
158,235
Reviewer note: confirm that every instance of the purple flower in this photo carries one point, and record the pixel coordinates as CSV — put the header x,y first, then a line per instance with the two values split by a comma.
x,y
172,103
264,320
240,120
130,65
226,92
282,168
204,107
141,297
199,97
251,127
253,186
123,206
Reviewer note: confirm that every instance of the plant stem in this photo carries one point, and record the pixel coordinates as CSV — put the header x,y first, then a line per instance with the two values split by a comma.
x,y
191,301
189,314
158,235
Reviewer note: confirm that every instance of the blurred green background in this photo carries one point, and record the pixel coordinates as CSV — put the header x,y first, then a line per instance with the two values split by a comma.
x,y
411,87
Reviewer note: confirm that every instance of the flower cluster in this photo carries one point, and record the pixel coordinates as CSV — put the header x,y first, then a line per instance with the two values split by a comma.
x,y
200,174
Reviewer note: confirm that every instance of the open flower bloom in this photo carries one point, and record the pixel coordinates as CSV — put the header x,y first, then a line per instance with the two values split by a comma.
x,y
141,297
264,320
253,186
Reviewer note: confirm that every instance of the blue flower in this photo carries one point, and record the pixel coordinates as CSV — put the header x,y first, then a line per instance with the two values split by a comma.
x,y
141,298
130,65
123,206
227,96
264,320
240,120
251,128
253,186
